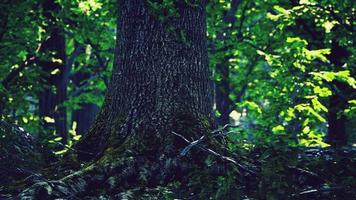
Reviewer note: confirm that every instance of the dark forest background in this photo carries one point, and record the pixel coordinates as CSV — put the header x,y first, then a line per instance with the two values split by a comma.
x,y
283,73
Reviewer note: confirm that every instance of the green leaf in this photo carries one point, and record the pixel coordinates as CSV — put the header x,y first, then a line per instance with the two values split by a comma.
x,y
281,10
278,128
57,139
318,106
322,92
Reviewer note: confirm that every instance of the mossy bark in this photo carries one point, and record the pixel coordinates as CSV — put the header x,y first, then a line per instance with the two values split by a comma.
x,y
160,85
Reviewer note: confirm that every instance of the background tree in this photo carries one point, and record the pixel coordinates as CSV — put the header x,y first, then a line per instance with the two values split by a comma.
x,y
56,74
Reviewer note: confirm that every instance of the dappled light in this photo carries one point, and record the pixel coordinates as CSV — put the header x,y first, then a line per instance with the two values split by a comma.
x,y
173,99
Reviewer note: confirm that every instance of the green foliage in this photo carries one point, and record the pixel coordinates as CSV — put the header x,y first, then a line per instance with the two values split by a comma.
x,y
282,70
286,62
88,25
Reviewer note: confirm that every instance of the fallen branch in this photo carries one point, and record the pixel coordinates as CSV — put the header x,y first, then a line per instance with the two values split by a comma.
x,y
222,157
217,132
318,191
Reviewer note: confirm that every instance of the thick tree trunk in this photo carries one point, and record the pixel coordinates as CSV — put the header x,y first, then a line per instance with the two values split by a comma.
x,y
50,101
157,77
159,86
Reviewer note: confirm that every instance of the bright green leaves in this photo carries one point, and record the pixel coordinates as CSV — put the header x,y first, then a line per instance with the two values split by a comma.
x,y
311,138
297,41
288,115
289,63
322,91
74,136
281,10
343,76
278,129
83,23
316,54
87,6
251,106
306,1
317,105
328,25
298,47
284,16
350,111
48,119
297,72
309,111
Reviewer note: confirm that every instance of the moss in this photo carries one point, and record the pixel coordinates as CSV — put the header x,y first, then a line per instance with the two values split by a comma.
x,y
206,121
111,154
191,125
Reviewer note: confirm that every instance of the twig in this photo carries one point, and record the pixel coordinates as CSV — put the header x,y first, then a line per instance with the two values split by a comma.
x,y
187,148
224,127
226,158
304,171
322,190
215,133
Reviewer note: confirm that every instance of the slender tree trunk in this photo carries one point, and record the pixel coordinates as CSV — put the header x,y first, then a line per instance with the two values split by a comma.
x,y
222,87
50,99
338,101
84,116
337,134
222,91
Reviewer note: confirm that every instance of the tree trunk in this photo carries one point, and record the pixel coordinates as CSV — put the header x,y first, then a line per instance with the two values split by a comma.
x,y
157,77
222,88
338,101
222,91
159,86
50,101
84,116
337,121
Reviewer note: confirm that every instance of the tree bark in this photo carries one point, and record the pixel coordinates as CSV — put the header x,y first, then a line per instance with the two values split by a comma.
x,y
157,76
159,86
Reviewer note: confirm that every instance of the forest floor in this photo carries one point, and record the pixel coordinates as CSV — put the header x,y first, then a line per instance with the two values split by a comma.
x,y
271,172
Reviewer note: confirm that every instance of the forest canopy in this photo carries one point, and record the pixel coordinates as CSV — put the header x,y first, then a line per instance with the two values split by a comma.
x,y
259,94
